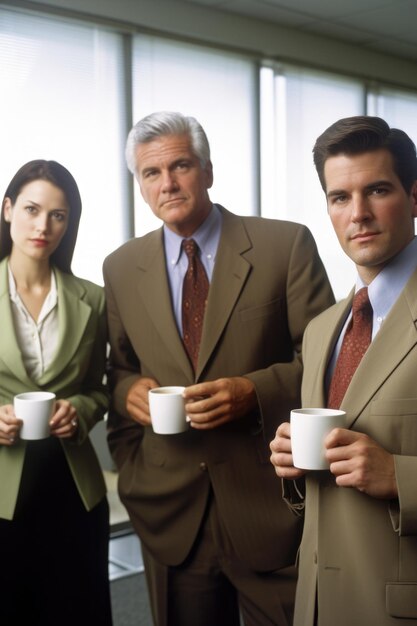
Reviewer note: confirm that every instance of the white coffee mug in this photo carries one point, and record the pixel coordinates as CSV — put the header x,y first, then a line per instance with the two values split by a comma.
x,y
35,409
166,407
309,428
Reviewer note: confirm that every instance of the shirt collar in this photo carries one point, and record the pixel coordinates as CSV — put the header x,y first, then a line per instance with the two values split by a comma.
x,y
206,237
384,290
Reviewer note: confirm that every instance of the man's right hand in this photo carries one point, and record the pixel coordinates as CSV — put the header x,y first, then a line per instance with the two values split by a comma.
x,y
281,457
137,403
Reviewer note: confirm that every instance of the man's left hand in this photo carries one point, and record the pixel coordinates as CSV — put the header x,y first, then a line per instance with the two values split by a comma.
x,y
358,461
211,404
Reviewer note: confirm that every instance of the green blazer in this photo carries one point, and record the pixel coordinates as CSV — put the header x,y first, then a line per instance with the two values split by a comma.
x,y
359,554
75,374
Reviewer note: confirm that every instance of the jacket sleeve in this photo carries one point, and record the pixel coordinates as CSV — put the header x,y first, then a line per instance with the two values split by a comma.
x,y
308,293
123,369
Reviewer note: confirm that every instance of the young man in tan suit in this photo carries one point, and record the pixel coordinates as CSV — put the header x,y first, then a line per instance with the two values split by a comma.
x,y
358,557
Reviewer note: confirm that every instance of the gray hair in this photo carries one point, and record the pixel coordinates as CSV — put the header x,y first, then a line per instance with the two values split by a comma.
x,y
163,123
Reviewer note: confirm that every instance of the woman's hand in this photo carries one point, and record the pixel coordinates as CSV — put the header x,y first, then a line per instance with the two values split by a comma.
x,y
64,422
9,425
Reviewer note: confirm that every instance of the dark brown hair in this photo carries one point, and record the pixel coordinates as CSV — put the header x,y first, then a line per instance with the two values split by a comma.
x,y
59,176
362,133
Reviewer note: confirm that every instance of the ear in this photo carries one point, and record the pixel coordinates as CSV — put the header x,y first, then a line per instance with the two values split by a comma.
x,y
142,190
208,171
7,209
413,197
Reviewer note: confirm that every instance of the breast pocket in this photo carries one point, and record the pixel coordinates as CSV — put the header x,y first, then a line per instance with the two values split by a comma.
x,y
393,423
261,334
260,311
401,600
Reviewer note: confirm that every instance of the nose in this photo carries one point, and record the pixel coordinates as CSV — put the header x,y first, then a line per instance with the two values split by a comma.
x,y
360,209
41,224
169,182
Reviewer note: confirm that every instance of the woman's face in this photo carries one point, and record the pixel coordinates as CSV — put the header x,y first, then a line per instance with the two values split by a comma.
x,y
38,219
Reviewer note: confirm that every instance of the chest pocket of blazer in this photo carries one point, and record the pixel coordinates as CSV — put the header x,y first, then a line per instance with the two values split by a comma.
x,y
401,600
393,424
260,311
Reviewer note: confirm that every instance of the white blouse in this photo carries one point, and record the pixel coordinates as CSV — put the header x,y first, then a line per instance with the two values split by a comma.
x,y
37,339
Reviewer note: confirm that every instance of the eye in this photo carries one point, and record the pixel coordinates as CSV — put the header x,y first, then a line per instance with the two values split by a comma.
x,y
59,216
338,199
182,165
30,209
379,191
150,174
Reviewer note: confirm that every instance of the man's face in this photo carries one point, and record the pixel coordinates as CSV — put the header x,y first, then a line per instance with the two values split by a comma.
x,y
174,183
371,213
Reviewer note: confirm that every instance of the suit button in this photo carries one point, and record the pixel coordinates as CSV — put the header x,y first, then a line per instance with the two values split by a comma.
x,y
203,467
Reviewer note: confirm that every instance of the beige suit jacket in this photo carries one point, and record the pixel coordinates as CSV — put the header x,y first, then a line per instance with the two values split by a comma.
x,y
268,282
362,552
76,374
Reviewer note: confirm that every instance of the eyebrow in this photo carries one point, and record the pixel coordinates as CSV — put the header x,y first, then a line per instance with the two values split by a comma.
x,y
28,201
335,192
150,168
181,159
379,183
374,185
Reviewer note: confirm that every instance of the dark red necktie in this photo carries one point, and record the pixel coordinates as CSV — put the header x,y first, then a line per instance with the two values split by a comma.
x,y
355,343
194,297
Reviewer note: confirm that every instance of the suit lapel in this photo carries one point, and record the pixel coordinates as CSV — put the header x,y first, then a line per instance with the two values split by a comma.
x,y
9,348
73,316
229,276
320,352
153,289
231,270
395,339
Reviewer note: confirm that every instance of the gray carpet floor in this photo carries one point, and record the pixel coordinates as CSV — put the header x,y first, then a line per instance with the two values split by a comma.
x,y
130,604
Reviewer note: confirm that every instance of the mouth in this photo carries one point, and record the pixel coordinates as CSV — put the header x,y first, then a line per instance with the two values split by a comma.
x,y
364,236
40,243
173,201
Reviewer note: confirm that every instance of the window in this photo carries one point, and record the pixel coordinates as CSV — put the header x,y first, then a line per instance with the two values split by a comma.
x,y
62,99
305,103
398,108
218,89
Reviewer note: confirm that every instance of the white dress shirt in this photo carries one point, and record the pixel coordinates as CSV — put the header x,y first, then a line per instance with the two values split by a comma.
x,y
38,339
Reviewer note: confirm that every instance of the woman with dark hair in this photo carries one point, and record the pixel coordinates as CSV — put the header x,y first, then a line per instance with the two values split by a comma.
x,y
53,508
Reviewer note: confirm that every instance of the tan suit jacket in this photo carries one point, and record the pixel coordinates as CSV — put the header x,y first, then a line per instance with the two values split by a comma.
x,y
268,282
362,552
75,374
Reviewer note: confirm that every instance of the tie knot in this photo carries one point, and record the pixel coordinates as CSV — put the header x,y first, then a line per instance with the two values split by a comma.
x,y
361,303
190,247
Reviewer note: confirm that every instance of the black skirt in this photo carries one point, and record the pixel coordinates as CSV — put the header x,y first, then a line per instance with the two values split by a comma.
x,y
54,553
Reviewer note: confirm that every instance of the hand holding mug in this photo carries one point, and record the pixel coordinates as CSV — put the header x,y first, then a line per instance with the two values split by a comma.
x,y
10,425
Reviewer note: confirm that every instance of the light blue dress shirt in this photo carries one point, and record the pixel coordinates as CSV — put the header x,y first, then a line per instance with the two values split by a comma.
x,y
383,293
207,237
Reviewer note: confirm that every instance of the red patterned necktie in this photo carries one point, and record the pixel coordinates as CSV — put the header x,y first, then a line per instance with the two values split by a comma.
x,y
355,343
194,297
